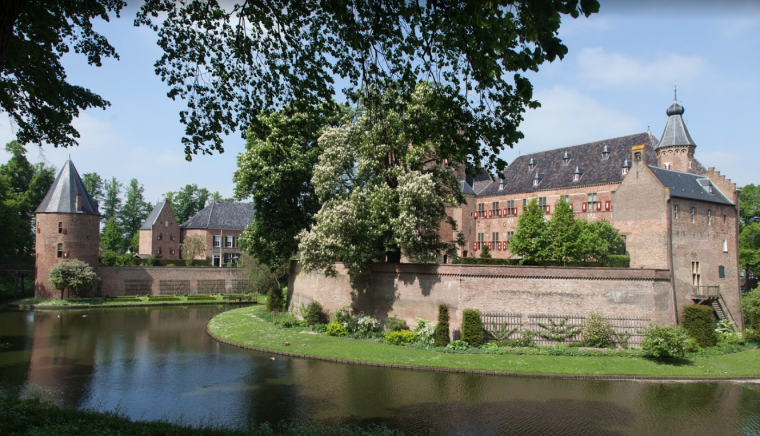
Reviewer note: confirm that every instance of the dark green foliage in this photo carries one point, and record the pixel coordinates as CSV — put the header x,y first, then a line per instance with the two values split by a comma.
x,y
32,417
513,262
618,261
200,297
750,308
666,341
315,314
108,258
579,344
134,211
597,331
163,298
442,337
112,237
697,320
275,299
472,327
393,324
485,252
187,201
558,331
151,260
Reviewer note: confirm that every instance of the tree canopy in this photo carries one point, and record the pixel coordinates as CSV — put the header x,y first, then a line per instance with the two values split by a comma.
x,y
187,201
73,275
749,225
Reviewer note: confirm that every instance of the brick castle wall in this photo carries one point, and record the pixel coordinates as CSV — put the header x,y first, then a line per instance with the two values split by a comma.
x,y
79,236
115,281
408,291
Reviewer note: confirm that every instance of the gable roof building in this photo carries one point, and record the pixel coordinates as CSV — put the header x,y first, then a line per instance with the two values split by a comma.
x,y
222,215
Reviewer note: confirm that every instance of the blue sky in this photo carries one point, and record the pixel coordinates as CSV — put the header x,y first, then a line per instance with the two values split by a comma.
x,y
616,80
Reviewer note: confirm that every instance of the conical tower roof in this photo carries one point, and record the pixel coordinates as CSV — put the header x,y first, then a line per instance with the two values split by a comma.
x,y
675,132
62,196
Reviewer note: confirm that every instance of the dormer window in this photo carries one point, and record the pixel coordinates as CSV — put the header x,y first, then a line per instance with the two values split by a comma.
x,y
566,158
706,185
502,184
637,156
606,152
531,164
667,165
537,179
577,174
625,167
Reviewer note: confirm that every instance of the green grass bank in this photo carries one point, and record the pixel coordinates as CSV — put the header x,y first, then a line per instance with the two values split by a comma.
x,y
97,302
33,417
243,327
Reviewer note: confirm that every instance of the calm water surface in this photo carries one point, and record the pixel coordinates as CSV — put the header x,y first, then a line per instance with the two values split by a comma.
x,y
158,363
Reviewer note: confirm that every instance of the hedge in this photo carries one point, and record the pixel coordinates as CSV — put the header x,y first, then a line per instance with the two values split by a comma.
x,y
472,327
698,323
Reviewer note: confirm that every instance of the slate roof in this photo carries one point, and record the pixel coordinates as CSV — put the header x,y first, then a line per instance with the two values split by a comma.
x,y
466,188
691,186
61,197
675,132
148,223
223,215
586,157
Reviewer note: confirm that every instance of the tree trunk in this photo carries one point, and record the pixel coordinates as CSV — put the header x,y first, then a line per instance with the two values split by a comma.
x,y
8,16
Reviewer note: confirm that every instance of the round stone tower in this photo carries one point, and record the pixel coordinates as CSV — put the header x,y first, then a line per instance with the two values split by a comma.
x,y
67,227
676,148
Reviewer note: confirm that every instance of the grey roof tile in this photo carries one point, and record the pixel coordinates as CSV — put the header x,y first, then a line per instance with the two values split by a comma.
x,y
675,132
691,186
148,223
223,215
61,197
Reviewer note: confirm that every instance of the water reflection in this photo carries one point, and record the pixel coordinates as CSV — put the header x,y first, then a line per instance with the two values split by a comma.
x,y
158,363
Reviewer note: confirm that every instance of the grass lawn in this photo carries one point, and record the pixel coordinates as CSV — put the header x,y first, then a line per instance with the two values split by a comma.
x,y
104,302
243,326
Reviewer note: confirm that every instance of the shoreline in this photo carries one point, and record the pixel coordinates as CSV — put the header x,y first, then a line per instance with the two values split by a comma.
x,y
462,370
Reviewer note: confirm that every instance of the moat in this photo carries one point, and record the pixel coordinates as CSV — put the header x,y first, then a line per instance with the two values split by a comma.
x,y
158,363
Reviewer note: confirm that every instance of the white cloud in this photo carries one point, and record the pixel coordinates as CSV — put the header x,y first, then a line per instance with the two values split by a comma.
x,y
598,66
569,117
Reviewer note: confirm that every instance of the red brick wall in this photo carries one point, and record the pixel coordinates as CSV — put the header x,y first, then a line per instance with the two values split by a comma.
x,y
81,240
113,279
408,291
167,229
208,235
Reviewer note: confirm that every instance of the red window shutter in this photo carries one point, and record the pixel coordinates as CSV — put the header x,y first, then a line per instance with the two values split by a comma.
x,y
65,231
504,212
475,215
39,230
606,205
489,246
584,207
474,246
598,205
514,211
571,206
65,254
490,213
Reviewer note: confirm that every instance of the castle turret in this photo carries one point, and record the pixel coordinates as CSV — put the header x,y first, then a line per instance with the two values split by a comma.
x,y
67,227
676,148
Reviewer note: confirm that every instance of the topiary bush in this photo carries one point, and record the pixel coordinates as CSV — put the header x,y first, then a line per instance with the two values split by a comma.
x,y
400,337
442,328
597,331
335,329
664,341
315,314
275,299
472,327
394,324
697,320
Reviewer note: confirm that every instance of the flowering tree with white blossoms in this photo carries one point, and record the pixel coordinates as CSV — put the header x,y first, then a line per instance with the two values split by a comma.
x,y
384,186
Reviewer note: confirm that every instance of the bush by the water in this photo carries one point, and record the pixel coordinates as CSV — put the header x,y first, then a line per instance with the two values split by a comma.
x,y
472,327
393,324
336,329
425,331
665,341
315,314
597,331
400,337
698,323
442,328
276,298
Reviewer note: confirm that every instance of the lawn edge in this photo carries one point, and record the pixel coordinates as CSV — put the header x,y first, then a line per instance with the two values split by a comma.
x,y
607,377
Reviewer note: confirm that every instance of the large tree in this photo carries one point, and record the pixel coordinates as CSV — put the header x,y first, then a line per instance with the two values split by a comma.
x,y
73,275
233,61
383,187
34,91
532,241
749,205
94,185
187,201
134,211
111,206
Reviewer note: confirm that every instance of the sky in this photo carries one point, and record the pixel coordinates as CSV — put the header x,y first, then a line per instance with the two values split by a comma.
x,y
617,79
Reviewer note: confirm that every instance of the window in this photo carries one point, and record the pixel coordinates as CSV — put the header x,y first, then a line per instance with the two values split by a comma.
x,y
637,156
606,152
495,239
227,257
509,236
565,198
667,165
481,210
525,203
721,272
79,203
160,236
724,219
689,166
725,245
495,208
60,227
693,212
217,241
709,217
481,237
59,250
511,208
229,241
542,202
592,202
696,277
166,223
675,212
625,170
216,260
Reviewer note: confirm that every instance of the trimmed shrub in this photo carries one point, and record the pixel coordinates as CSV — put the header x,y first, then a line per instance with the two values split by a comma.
x,y
597,331
664,341
698,323
400,337
618,261
442,328
335,329
472,327
275,299
394,324
315,314
485,252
